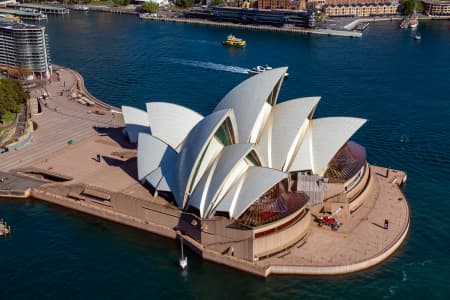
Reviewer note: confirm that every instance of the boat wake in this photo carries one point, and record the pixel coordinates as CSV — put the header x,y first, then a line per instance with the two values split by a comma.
x,y
210,65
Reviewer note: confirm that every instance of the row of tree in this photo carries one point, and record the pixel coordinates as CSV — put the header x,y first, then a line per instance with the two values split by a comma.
x,y
12,96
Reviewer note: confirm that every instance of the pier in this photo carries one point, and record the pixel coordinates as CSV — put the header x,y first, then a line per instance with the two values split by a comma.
x,y
46,9
24,15
328,32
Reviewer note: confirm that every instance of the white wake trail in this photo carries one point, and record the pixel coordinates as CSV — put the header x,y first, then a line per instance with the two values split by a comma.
x,y
210,66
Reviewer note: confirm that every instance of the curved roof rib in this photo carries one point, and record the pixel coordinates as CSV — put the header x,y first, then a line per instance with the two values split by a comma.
x,y
255,182
220,177
195,152
285,131
171,122
323,140
136,121
157,180
248,99
152,153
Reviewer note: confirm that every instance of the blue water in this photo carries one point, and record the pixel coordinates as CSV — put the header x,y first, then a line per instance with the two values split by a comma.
x,y
400,85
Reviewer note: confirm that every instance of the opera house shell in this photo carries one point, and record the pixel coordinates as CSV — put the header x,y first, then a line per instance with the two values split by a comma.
x,y
247,175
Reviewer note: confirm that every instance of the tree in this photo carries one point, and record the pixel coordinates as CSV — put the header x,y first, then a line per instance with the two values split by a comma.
x,y
121,2
409,6
184,3
12,96
151,7
217,2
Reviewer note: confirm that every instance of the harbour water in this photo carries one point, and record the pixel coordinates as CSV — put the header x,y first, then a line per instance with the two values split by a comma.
x,y
399,84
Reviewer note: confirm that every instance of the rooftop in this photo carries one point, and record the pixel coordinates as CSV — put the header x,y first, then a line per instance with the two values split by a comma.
x,y
4,23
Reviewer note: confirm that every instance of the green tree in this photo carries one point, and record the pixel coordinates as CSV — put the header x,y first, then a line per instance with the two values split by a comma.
x,y
151,7
121,2
409,6
217,2
184,3
12,96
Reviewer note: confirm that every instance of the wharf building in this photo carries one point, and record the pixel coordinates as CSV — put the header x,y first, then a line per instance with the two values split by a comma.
x,y
279,17
24,49
436,8
248,175
371,8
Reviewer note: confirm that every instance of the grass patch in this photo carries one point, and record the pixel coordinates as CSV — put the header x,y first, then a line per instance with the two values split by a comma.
x,y
102,3
8,117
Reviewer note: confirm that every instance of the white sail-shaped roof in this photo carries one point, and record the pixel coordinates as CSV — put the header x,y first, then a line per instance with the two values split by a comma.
x,y
227,160
151,153
325,137
171,122
285,131
219,178
158,180
248,99
136,121
194,149
255,182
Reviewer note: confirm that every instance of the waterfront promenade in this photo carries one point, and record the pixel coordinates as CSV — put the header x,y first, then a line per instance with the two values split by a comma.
x,y
61,120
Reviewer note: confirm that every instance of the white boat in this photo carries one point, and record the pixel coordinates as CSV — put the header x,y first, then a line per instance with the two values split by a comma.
x,y
413,24
183,259
81,7
417,37
261,69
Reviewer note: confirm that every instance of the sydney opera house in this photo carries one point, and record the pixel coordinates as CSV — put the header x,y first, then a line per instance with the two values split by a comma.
x,y
249,176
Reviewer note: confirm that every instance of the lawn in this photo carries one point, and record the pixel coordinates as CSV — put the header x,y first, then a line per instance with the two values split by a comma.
x,y
102,3
8,117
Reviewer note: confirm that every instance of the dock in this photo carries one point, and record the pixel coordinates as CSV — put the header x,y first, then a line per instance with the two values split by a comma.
x,y
298,30
24,15
46,9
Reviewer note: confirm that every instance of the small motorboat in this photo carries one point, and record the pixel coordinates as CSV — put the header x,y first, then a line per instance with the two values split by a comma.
x,y
417,37
413,23
257,70
261,69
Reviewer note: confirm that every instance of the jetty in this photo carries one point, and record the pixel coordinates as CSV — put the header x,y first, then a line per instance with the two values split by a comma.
x,y
46,9
24,15
298,30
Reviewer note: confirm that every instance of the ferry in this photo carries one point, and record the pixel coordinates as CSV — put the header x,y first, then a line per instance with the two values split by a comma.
x,y
234,41
4,228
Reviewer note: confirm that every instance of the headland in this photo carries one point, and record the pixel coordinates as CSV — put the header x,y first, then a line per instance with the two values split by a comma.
x,y
79,158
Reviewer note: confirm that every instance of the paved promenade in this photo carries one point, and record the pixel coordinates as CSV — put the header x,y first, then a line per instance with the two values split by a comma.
x,y
60,121
360,242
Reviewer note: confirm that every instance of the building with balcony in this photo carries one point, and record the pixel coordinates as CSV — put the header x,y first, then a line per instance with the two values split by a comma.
x,y
24,49
361,9
436,8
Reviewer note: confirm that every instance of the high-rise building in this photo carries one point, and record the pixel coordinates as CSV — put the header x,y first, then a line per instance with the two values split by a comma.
x,y
24,49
